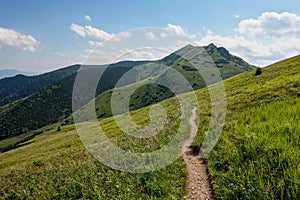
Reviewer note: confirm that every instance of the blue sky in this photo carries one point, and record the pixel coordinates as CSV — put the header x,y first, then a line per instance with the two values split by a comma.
x,y
41,36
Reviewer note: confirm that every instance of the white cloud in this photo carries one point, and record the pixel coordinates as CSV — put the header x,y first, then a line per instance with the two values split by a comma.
x,y
10,37
143,44
261,41
269,38
251,50
175,30
121,36
163,35
95,33
178,30
113,55
272,24
237,16
95,44
88,18
236,42
142,54
150,36
91,32
208,31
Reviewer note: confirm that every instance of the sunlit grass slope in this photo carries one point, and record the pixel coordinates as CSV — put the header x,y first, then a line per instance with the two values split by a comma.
x,y
55,165
258,154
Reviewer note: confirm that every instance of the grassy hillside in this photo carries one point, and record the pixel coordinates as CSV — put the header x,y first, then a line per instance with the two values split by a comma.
x,y
54,103
55,165
257,156
50,105
20,86
148,94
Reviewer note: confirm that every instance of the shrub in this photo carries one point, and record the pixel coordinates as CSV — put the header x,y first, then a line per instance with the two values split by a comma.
x,y
258,71
38,163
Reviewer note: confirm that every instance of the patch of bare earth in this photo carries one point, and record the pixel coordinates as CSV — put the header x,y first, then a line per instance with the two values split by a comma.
x,y
198,182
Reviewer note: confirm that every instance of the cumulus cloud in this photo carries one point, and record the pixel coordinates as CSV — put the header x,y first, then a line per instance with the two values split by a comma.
x,y
150,36
262,41
87,17
95,33
272,24
95,44
143,44
91,32
112,55
250,49
121,36
163,35
10,37
170,31
178,30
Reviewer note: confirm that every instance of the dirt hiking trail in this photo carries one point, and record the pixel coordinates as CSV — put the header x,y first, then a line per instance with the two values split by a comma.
x,y
198,182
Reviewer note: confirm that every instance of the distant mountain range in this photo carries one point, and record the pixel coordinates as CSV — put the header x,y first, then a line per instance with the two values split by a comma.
x,y
29,103
13,72
20,86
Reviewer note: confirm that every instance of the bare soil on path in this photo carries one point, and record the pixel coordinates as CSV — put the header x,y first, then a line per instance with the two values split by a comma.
x,y
198,182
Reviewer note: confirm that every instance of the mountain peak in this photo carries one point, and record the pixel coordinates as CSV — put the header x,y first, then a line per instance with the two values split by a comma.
x,y
212,45
187,47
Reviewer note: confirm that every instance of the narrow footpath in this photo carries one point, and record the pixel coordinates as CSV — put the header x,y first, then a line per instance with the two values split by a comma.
x,y
198,183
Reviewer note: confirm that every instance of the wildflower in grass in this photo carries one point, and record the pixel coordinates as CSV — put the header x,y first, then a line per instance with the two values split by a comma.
x,y
287,128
